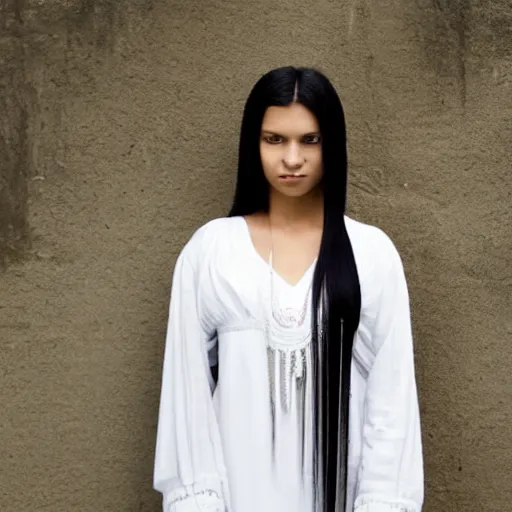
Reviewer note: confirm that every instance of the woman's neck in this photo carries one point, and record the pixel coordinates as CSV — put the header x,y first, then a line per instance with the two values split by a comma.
x,y
297,213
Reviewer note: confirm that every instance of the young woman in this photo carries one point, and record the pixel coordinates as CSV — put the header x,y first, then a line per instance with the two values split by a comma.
x,y
288,379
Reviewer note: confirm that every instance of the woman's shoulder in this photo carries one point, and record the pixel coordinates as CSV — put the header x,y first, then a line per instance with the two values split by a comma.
x,y
374,250
216,227
210,236
370,235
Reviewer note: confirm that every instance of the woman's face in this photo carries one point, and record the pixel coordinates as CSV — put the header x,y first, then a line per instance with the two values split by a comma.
x,y
291,150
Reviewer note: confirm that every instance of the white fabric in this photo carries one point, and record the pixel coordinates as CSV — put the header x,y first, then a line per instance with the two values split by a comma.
x,y
217,439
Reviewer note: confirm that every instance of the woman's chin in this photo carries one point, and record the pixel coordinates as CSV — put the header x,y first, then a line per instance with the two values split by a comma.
x,y
297,189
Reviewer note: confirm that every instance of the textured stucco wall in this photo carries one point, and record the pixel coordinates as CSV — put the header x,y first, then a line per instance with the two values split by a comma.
x,y
118,137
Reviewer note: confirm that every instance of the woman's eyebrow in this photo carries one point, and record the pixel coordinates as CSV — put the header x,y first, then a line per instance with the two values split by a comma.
x,y
271,132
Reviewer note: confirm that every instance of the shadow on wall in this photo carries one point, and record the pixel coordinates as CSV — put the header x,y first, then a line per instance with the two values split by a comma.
x,y
30,34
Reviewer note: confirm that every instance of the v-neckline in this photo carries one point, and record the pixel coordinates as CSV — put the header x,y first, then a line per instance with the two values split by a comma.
x,y
266,263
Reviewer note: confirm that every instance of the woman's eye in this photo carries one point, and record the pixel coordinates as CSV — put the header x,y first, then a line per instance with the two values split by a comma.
x,y
312,139
273,139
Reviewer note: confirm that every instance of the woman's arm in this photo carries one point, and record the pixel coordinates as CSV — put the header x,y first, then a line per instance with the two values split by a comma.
x,y
189,469
391,473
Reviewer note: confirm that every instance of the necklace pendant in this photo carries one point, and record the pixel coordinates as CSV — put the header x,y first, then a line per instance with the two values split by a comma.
x,y
289,315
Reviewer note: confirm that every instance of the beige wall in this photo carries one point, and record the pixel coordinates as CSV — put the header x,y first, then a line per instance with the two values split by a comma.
x,y
118,137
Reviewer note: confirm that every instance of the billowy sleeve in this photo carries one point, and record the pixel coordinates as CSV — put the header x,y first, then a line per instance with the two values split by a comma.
x,y
391,473
189,469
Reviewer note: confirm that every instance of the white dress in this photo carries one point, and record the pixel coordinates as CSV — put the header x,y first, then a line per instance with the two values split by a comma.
x,y
237,445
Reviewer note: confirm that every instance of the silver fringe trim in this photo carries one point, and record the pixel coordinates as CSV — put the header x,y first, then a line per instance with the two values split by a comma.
x,y
287,376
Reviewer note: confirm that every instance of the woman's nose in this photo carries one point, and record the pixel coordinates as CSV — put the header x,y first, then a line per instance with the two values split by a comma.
x,y
293,157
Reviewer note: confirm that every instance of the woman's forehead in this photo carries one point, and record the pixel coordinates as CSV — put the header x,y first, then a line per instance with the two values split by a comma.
x,y
292,118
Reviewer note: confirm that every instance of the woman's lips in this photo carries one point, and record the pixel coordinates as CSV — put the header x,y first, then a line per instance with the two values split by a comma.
x,y
292,177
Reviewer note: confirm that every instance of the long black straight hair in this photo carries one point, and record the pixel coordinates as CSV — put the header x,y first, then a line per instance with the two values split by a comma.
x,y
336,290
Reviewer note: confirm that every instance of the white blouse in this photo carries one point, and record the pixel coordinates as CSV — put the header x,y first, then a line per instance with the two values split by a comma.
x,y
243,444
